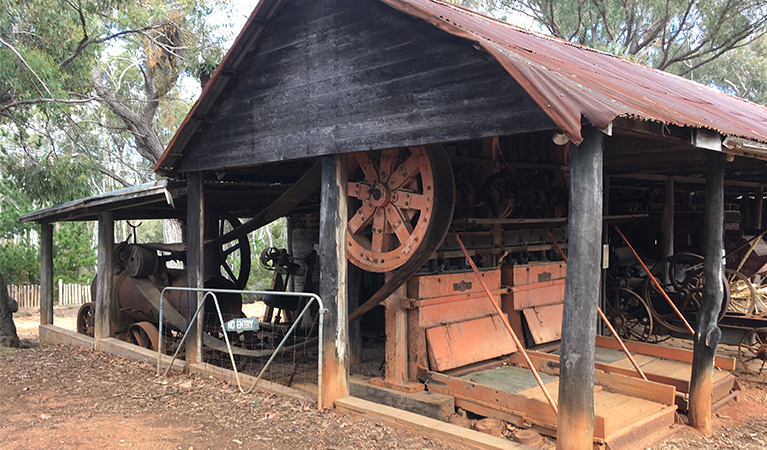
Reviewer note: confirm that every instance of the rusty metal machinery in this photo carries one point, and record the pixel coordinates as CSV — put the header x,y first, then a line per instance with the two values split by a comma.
x,y
142,272
397,203
681,277
752,351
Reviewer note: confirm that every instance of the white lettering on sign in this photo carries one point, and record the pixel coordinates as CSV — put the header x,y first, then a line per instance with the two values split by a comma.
x,y
242,324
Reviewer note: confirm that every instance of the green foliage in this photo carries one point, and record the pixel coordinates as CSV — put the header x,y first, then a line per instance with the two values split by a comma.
x,y
74,252
274,234
139,49
28,183
19,263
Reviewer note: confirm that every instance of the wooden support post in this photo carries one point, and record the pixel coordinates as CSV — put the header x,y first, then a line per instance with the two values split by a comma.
x,y
575,423
759,207
355,328
418,358
396,352
667,220
396,337
195,228
333,224
104,299
708,333
46,274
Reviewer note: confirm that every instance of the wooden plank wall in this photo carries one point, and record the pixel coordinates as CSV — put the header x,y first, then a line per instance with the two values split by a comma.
x,y
349,75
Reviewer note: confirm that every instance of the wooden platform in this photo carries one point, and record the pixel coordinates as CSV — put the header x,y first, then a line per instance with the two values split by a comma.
x,y
625,408
666,365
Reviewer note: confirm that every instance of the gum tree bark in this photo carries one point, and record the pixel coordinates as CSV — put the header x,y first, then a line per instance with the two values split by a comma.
x,y
8,306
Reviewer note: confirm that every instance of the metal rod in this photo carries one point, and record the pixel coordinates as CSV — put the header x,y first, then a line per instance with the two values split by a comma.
x,y
655,280
620,342
508,326
602,315
186,333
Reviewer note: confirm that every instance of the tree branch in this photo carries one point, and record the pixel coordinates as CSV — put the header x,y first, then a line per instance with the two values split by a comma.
x,y
44,100
115,177
100,40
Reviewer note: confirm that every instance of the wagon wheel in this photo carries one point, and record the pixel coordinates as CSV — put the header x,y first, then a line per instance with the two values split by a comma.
x,y
396,201
629,314
86,319
145,335
681,277
743,296
752,351
234,256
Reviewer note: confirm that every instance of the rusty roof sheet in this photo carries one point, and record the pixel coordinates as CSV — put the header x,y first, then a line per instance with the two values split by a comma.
x,y
567,80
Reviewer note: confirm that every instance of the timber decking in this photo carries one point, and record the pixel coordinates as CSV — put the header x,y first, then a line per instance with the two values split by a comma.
x,y
619,411
511,393
679,371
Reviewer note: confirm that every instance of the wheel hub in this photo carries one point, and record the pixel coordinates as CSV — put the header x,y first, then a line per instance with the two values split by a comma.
x,y
762,353
379,195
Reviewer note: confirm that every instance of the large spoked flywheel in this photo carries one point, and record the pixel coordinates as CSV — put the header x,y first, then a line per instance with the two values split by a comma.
x,y
400,205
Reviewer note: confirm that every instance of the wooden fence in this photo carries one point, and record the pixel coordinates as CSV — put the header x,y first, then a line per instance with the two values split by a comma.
x,y
74,294
28,295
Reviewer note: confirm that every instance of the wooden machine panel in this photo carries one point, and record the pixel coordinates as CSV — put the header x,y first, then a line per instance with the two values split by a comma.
x,y
544,322
534,285
461,324
451,284
458,344
537,294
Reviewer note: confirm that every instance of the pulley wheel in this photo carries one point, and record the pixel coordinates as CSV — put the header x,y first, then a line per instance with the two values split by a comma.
x,y
398,199
629,314
86,319
145,335
682,279
752,351
234,256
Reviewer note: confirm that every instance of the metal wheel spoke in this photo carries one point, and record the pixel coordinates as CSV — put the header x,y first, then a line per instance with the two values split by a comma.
x,y
361,218
229,272
389,159
231,250
409,200
405,172
380,240
399,223
367,166
358,190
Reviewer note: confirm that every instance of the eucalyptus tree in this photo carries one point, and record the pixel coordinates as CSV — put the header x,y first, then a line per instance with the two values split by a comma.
x,y
101,77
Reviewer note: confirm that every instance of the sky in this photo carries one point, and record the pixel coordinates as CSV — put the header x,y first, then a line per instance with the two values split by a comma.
x,y
240,12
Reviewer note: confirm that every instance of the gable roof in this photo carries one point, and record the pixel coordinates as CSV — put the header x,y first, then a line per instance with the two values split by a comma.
x,y
566,80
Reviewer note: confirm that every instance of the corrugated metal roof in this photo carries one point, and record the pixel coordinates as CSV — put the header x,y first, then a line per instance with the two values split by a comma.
x,y
87,208
568,81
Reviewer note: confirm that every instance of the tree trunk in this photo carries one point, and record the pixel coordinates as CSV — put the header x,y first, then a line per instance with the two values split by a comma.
x,y
171,234
8,306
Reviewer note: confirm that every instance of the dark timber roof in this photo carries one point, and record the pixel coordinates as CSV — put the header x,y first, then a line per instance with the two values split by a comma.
x,y
566,80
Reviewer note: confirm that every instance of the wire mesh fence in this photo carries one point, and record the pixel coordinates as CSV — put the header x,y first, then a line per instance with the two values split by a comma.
x,y
282,346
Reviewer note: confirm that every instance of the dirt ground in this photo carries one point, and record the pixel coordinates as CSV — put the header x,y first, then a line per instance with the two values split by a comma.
x,y
71,398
